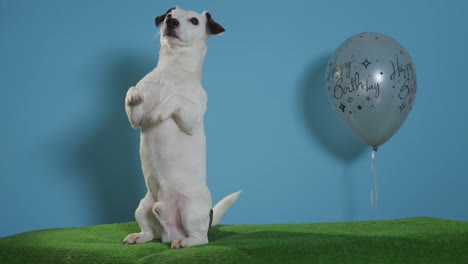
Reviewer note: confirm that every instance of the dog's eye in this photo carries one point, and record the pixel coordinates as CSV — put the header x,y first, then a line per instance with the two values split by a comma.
x,y
168,16
194,21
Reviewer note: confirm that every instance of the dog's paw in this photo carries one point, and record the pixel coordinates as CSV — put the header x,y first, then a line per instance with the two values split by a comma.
x,y
136,238
166,109
176,244
134,97
161,116
163,111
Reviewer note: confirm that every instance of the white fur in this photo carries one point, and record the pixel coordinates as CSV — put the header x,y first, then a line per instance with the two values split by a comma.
x,y
168,104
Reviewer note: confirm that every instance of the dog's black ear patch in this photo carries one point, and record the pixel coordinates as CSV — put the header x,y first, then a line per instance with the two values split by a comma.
x,y
159,19
212,26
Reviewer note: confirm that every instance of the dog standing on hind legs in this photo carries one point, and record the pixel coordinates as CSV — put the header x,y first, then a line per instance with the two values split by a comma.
x,y
168,104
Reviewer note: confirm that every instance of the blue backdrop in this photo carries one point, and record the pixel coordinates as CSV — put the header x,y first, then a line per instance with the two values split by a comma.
x,y
70,158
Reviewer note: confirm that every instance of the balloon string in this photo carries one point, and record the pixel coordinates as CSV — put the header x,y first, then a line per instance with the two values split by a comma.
x,y
374,191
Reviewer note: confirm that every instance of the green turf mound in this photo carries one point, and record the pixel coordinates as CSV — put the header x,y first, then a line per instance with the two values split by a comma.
x,y
415,240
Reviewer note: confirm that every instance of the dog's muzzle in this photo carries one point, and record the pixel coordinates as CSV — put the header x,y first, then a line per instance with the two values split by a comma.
x,y
171,25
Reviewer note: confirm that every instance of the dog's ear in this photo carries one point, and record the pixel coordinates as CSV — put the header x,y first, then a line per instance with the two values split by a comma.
x,y
159,19
212,27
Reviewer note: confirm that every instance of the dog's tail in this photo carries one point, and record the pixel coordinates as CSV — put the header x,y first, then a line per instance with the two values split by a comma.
x,y
222,206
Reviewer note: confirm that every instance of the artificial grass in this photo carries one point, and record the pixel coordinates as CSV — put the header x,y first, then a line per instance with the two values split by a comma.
x,y
413,240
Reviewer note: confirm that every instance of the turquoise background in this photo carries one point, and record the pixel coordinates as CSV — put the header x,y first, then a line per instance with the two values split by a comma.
x,y
68,156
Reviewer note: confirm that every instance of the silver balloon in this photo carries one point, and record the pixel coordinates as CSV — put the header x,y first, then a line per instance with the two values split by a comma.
x,y
371,84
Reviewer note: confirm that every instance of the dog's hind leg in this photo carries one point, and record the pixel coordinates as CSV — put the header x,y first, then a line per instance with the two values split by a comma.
x,y
169,219
195,216
150,228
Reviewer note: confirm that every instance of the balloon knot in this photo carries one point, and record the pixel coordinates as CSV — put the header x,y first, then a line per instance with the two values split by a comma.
x,y
375,148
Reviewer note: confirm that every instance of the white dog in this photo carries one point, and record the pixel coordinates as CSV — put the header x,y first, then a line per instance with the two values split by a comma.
x,y
168,105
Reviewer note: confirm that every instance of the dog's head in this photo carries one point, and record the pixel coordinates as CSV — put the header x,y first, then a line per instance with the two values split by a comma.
x,y
184,28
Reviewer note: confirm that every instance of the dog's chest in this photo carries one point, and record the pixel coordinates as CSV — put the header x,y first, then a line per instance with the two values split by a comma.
x,y
168,89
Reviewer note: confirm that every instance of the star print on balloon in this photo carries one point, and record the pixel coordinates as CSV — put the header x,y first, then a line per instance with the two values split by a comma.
x,y
366,63
402,106
376,78
342,107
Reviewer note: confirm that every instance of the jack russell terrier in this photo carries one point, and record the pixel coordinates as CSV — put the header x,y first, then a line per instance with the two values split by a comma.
x,y
168,105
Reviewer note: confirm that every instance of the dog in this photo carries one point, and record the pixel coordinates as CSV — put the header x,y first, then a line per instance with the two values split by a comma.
x,y
168,104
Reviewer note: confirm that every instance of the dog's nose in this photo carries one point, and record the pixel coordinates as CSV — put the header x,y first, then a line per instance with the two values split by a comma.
x,y
172,23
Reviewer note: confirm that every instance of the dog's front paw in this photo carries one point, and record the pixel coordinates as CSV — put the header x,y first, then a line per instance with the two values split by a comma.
x,y
160,115
136,238
134,97
165,110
